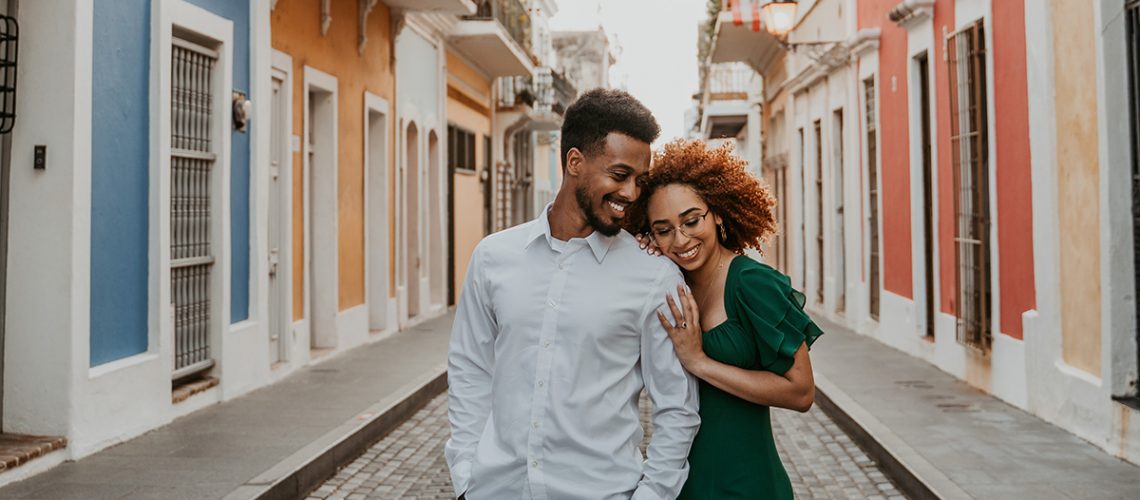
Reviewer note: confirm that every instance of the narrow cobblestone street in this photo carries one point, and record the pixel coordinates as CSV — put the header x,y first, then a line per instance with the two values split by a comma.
x,y
822,461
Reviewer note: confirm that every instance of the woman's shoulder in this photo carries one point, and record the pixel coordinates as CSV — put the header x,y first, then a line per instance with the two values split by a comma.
x,y
752,277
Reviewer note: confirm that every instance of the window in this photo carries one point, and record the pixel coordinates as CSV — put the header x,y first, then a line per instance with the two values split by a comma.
x,y
969,146
1132,40
803,208
460,150
872,194
192,158
922,66
819,209
488,167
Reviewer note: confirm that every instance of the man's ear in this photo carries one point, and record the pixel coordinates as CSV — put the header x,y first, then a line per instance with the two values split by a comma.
x,y
574,160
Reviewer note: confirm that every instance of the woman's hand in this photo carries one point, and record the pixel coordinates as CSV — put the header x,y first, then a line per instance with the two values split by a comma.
x,y
686,335
646,243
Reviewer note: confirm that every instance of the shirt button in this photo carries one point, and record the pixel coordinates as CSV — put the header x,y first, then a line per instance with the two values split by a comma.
x,y
540,383
546,344
535,425
552,304
534,464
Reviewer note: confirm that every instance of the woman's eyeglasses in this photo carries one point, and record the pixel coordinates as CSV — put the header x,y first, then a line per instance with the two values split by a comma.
x,y
691,228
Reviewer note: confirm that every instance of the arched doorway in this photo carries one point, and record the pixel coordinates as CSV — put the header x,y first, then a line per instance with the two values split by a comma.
x,y
410,238
435,223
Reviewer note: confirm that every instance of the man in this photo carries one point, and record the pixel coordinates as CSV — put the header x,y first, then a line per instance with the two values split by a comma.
x,y
556,334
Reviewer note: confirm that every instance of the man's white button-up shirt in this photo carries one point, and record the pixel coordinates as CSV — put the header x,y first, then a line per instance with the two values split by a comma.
x,y
552,344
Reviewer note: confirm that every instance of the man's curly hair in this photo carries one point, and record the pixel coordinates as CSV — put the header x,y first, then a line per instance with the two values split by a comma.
x,y
745,207
600,111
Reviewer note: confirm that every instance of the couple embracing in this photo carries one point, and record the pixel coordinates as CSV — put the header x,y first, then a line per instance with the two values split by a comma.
x,y
564,320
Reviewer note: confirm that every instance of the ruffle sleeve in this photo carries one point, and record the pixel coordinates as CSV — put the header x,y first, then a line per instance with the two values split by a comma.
x,y
768,307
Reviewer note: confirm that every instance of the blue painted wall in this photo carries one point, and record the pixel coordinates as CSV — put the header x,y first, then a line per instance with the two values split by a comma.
x,y
238,12
120,174
120,151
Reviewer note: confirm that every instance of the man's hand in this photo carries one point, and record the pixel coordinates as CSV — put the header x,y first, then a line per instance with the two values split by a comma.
x,y
646,243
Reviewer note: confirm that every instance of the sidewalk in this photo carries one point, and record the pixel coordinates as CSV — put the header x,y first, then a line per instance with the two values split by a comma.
x,y
948,439
271,442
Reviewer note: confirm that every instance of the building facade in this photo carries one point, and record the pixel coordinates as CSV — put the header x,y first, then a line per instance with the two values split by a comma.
x,y
953,182
133,260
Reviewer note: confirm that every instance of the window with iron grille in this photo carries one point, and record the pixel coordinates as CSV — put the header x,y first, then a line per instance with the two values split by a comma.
x,y
819,209
802,147
192,158
460,149
1132,41
872,194
488,215
521,196
966,55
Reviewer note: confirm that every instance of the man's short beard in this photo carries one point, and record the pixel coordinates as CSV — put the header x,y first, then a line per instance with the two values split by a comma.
x,y
592,218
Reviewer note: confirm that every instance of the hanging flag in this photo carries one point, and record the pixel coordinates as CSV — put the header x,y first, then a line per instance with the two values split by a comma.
x,y
746,13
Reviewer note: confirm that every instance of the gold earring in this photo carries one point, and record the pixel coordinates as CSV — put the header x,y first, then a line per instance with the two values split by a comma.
x,y
723,233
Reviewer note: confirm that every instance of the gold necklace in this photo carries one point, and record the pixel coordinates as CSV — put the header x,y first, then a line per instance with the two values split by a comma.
x,y
703,301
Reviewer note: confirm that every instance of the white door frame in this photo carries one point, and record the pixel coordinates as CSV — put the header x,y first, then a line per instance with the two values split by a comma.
x,y
281,302
408,289
322,282
436,224
378,258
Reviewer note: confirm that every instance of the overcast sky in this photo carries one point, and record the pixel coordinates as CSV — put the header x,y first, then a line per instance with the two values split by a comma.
x,y
657,58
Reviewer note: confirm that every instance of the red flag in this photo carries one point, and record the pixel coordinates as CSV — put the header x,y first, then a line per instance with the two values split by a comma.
x,y
746,15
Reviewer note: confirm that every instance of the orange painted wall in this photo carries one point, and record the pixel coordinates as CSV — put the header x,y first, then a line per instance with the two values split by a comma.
x,y
1014,190
296,31
895,146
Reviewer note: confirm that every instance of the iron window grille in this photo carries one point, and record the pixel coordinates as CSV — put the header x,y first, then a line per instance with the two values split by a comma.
x,y
192,161
1132,41
9,45
488,215
819,209
969,143
872,195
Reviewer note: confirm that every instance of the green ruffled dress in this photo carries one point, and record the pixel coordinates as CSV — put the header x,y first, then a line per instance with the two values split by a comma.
x,y
734,454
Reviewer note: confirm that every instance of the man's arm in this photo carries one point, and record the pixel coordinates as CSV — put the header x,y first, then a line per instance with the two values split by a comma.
x,y
470,361
674,395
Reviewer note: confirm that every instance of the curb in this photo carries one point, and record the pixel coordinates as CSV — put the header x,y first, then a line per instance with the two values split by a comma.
x,y
912,473
304,470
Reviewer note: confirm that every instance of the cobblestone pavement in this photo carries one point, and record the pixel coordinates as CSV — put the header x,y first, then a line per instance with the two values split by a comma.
x,y
822,461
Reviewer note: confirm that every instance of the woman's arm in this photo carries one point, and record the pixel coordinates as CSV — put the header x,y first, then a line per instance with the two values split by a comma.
x,y
794,390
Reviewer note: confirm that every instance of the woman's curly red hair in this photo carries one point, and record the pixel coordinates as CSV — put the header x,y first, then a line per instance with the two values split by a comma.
x,y
745,207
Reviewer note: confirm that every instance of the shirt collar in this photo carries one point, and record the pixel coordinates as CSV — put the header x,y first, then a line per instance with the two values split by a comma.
x,y
540,227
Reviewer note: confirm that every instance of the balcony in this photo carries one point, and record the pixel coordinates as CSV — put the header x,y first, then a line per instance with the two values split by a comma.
x,y
553,91
732,81
458,7
725,105
746,42
496,38
543,98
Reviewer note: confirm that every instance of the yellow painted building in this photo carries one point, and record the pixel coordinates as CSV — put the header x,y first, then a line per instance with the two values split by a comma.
x,y
334,75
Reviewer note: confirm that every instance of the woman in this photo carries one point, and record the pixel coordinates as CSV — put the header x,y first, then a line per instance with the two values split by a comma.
x,y
740,328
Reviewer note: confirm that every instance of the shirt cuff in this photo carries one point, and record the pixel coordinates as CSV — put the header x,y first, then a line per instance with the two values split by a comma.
x,y
460,475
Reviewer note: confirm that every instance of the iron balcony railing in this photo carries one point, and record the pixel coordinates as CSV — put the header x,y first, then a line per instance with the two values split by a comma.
x,y
564,92
731,79
552,91
512,15
516,91
546,91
